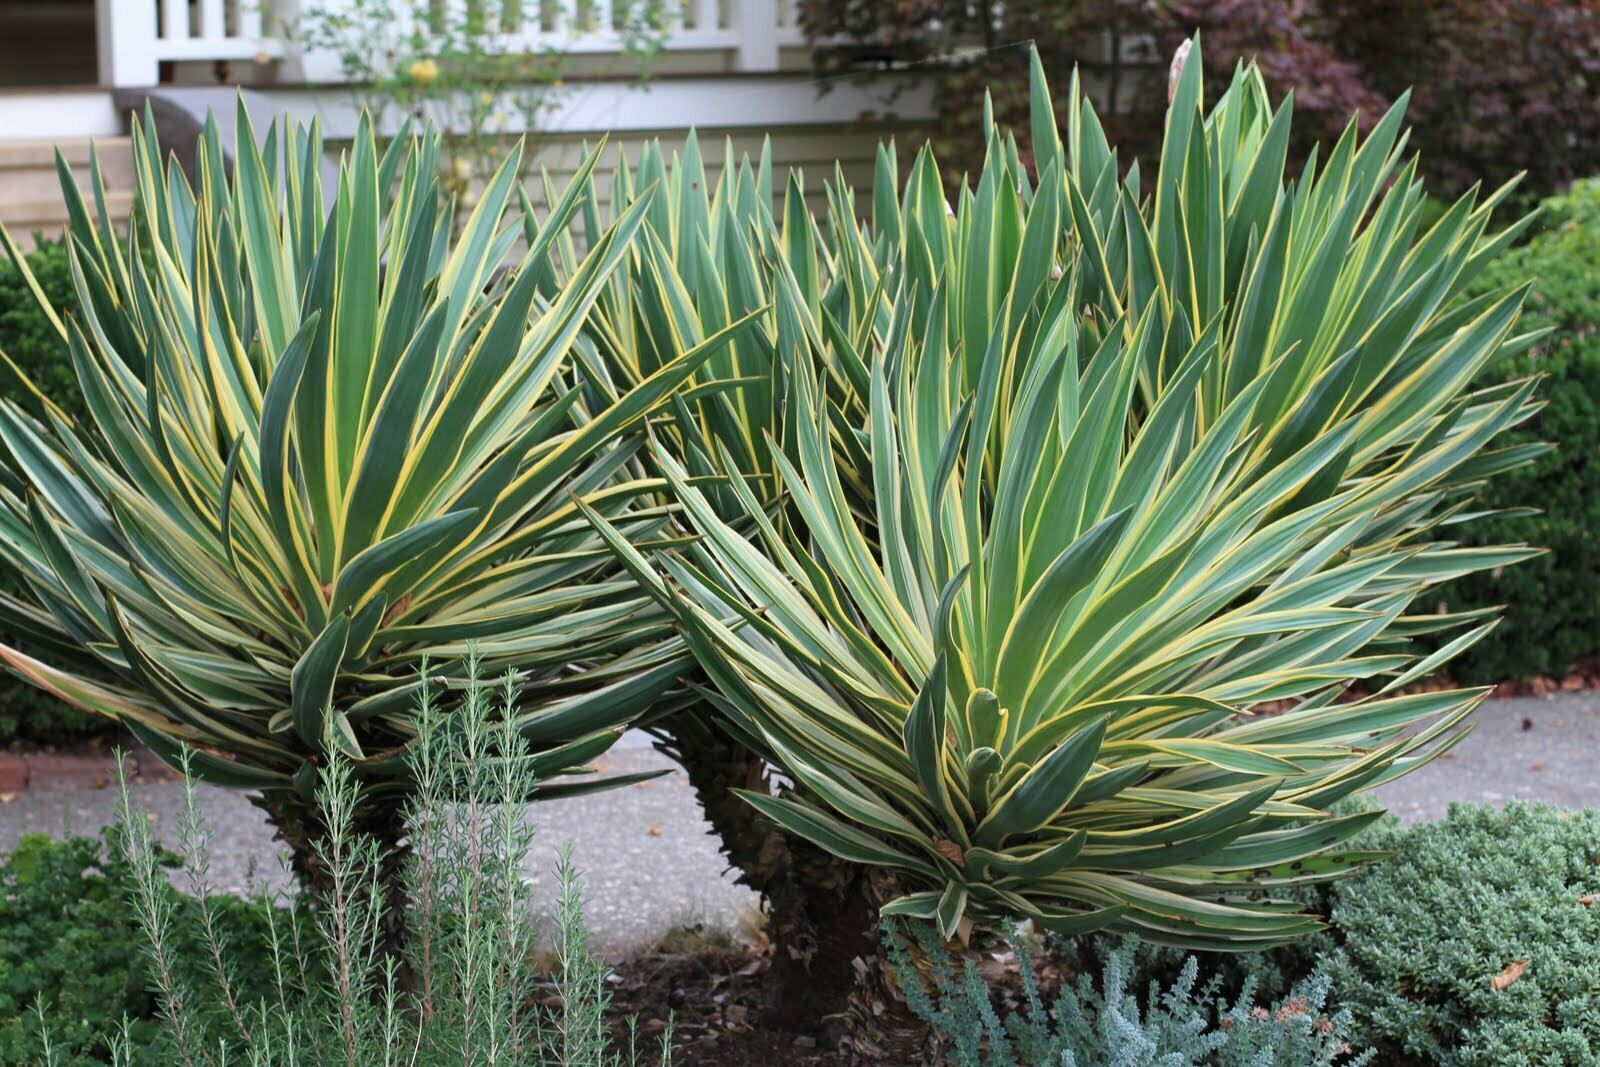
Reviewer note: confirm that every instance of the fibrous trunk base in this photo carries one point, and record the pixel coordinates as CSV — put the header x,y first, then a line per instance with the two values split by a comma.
x,y
822,912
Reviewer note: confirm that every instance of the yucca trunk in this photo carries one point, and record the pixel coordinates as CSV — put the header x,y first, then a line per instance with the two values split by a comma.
x,y
879,1026
828,973
819,919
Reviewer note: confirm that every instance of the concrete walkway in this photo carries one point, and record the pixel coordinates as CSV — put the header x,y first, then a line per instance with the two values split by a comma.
x,y
1521,748
648,859
650,862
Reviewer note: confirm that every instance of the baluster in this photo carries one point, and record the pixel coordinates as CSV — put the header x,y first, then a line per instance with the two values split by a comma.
x,y
601,19
511,17
174,19
126,43
674,14
448,17
757,24
569,16
632,14
213,21
248,14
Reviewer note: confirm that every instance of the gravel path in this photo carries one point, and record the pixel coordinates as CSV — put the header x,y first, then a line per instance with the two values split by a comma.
x,y
650,862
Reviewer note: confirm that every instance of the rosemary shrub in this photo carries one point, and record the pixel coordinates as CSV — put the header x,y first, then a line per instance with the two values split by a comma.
x,y
460,986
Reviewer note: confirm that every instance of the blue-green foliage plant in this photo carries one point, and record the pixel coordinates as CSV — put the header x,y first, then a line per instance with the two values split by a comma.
x,y
1105,1024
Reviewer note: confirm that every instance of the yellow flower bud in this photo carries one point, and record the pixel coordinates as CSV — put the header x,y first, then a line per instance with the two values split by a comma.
x,y
423,71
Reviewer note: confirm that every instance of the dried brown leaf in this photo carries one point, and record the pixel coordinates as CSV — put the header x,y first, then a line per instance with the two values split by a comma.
x,y
1512,972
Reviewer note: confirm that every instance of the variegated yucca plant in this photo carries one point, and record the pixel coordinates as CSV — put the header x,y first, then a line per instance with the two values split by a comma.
x,y
1157,491
710,253
335,440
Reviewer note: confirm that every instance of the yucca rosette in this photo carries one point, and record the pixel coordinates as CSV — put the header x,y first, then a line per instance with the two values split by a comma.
x,y
1157,491
336,437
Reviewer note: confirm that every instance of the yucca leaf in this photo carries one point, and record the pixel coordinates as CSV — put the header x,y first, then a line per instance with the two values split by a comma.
x,y
924,737
828,832
1045,788
360,577
201,764
311,685
1040,864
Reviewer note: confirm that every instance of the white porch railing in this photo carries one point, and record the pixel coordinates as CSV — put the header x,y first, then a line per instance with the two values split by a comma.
x,y
137,36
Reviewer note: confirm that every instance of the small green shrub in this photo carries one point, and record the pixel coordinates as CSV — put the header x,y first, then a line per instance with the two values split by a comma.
x,y
1552,613
1579,204
1423,936
71,943
1093,1024
1416,941
27,337
69,940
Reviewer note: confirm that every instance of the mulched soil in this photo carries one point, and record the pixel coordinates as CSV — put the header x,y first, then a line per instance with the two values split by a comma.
x,y
1585,676
714,992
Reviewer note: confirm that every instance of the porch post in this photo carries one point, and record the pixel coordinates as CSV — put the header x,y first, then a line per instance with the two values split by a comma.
x,y
125,38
